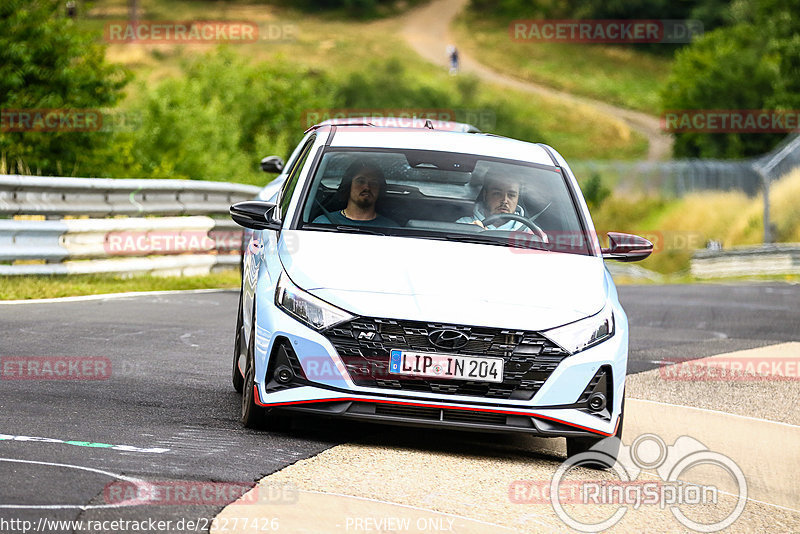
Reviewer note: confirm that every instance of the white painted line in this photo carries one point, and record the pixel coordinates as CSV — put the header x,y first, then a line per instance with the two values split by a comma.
x,y
4,438
410,507
765,503
653,476
707,410
109,296
141,485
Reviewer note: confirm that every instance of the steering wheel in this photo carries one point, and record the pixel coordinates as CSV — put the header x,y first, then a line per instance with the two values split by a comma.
x,y
538,232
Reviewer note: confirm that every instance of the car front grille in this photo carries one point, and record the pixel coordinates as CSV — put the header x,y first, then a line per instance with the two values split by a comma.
x,y
364,345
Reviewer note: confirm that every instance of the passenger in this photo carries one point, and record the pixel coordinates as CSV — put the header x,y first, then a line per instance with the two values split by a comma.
x,y
362,188
499,195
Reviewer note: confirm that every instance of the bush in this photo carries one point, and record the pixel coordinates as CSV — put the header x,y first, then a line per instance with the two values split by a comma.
x,y
594,191
359,9
219,119
388,85
711,12
222,115
751,65
47,63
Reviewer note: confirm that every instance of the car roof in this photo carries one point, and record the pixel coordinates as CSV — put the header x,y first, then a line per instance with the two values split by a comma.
x,y
400,122
361,136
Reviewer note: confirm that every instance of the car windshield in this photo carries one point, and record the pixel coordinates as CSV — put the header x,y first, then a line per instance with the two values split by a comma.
x,y
444,195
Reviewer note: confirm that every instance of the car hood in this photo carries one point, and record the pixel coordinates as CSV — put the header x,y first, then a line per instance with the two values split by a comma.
x,y
444,281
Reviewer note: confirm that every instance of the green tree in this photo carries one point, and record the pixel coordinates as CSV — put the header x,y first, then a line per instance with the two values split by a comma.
x,y
754,64
712,13
218,119
47,63
595,192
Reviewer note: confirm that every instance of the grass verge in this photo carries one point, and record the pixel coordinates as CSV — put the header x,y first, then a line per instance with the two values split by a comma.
x,y
341,48
612,73
42,287
678,227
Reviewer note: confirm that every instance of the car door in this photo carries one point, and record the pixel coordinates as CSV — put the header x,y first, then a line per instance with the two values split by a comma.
x,y
260,253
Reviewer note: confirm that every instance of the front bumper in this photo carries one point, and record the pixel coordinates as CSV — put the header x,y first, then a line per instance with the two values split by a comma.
x,y
326,388
434,415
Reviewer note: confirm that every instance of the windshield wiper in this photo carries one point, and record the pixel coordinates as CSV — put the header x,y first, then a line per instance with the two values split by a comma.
x,y
341,228
515,241
360,229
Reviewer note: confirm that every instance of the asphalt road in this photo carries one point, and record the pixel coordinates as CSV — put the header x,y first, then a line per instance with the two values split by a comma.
x,y
167,395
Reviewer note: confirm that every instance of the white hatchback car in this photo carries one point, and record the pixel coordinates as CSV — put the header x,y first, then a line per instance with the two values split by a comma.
x,y
433,278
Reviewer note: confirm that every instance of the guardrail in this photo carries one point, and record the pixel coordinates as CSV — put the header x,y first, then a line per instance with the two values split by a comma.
x,y
147,226
745,261
676,178
103,197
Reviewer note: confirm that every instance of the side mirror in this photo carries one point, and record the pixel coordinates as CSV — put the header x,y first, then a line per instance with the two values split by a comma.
x,y
272,164
626,247
255,214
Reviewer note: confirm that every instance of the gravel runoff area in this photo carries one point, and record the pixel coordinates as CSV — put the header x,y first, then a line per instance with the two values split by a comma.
x,y
449,478
500,484
764,384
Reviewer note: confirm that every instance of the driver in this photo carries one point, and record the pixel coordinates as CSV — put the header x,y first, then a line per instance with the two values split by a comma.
x,y
499,195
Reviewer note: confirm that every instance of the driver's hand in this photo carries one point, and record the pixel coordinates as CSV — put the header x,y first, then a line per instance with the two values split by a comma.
x,y
476,221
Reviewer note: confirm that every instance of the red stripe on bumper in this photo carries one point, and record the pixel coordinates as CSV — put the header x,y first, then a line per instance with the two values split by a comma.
x,y
508,412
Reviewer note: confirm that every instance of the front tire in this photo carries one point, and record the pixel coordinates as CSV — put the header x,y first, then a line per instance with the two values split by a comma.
x,y
253,415
607,448
236,374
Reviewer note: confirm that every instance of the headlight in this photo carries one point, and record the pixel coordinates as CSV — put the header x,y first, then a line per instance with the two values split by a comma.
x,y
305,307
585,333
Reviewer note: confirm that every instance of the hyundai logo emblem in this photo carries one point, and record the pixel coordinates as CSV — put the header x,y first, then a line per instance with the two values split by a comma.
x,y
448,339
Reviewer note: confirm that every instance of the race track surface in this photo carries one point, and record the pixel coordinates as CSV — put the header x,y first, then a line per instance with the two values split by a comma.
x,y
167,394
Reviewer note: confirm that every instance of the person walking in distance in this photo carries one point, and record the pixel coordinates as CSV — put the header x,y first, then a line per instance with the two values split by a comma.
x,y
452,52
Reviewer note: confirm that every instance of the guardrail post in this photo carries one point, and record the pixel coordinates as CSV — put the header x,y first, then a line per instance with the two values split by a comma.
x,y
765,188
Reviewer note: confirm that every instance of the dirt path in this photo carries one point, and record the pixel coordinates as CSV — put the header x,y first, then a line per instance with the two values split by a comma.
x,y
427,31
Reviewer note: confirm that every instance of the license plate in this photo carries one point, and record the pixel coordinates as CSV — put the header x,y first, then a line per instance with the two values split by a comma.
x,y
449,366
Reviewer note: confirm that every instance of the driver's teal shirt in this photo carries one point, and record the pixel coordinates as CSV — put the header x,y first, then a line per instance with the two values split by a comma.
x,y
337,218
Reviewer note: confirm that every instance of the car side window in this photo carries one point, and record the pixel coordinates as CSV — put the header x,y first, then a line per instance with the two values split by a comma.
x,y
291,180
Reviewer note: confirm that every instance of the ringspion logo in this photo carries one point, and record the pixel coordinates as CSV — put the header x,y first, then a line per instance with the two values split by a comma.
x,y
675,465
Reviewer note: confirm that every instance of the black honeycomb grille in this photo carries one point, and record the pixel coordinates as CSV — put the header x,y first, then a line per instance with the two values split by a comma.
x,y
364,345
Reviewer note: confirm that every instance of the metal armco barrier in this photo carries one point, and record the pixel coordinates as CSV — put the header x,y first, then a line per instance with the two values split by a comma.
x,y
746,261
102,197
147,226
